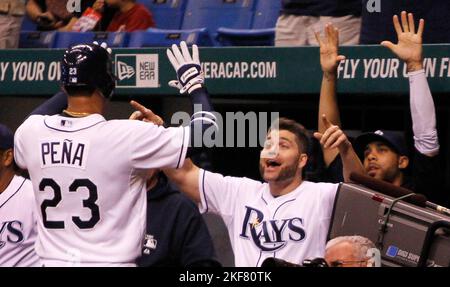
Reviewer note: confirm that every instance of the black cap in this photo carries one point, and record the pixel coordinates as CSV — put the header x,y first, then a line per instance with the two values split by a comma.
x,y
88,65
6,137
393,139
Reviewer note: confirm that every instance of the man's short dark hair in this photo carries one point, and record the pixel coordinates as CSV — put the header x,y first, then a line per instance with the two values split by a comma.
x,y
79,90
300,132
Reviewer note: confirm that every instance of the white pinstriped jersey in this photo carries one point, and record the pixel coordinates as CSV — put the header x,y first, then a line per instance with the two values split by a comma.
x,y
18,225
292,227
88,178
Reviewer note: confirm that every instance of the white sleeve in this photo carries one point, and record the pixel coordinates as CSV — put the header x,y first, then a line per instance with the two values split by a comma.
x,y
218,193
19,143
423,114
158,147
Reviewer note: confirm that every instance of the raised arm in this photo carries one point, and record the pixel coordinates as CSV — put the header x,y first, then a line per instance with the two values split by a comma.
x,y
334,138
190,81
329,61
186,178
409,49
52,106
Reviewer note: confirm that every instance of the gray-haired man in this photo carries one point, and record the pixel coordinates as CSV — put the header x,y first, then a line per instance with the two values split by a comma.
x,y
351,251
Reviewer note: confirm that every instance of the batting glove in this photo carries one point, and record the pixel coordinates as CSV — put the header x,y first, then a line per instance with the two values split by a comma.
x,y
104,46
189,73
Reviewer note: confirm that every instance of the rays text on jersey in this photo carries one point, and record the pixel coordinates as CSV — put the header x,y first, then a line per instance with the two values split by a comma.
x,y
269,235
63,152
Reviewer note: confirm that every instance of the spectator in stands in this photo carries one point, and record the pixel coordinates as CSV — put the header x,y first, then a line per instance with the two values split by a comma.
x,y
300,18
384,153
130,17
352,251
54,15
49,14
11,16
436,13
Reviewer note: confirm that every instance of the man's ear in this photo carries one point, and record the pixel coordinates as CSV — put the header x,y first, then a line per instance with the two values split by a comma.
x,y
7,157
403,162
302,160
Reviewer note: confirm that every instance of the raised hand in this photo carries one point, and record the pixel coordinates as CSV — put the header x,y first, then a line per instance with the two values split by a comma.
x,y
329,49
189,72
409,46
333,137
144,114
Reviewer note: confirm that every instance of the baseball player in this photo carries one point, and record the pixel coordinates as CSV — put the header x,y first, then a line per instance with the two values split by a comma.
x,y
88,174
17,214
285,217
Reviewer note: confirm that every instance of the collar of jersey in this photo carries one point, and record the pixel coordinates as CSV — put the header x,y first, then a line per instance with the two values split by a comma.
x,y
76,124
268,197
13,186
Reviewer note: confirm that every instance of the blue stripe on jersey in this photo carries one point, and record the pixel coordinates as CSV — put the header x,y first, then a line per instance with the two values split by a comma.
x,y
73,130
257,262
273,217
13,193
203,191
262,197
181,151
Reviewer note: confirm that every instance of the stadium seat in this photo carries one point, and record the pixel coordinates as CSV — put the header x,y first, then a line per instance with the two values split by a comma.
x,y
266,14
262,32
165,38
212,14
246,37
168,14
113,39
28,24
37,39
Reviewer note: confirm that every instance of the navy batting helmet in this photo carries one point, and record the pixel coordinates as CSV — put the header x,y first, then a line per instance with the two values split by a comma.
x,y
88,65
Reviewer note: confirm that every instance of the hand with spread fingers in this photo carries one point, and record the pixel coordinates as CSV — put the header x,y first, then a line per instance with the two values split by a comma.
x,y
409,46
144,114
189,72
333,137
329,49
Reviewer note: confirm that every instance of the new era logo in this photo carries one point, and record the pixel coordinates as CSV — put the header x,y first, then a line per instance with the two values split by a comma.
x,y
124,71
137,70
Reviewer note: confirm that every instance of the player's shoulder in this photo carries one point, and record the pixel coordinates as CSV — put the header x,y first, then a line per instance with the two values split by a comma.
x,y
321,186
247,186
24,187
30,122
252,182
244,181
129,125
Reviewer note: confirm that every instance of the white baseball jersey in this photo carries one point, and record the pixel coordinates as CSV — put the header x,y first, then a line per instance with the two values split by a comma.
x,y
291,227
88,178
18,225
